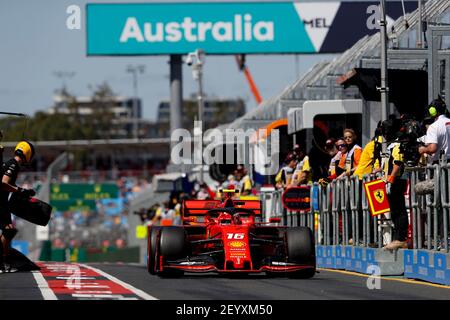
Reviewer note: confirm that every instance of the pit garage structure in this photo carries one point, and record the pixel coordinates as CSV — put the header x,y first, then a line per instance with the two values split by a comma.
x,y
344,92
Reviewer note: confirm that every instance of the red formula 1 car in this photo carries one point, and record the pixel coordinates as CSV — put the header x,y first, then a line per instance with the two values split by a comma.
x,y
226,236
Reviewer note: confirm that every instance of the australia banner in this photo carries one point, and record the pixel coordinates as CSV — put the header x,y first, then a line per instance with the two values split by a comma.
x,y
233,27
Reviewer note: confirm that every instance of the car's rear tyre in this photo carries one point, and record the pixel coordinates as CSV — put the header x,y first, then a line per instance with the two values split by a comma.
x,y
151,249
301,249
173,245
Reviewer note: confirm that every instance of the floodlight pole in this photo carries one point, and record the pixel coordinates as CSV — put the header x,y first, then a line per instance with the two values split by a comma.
x,y
421,26
134,70
197,61
176,91
198,69
384,89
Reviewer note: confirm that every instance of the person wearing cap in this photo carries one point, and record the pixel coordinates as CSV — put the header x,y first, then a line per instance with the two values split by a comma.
x,y
284,176
369,162
438,133
396,184
337,163
302,172
23,154
330,147
370,159
243,179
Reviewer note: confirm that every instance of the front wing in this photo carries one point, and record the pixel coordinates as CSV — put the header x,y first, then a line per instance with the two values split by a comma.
x,y
201,267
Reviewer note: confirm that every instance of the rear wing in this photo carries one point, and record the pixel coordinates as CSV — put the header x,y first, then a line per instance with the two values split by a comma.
x,y
201,207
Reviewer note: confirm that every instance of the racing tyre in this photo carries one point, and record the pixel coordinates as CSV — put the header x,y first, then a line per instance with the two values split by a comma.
x,y
173,245
151,249
301,249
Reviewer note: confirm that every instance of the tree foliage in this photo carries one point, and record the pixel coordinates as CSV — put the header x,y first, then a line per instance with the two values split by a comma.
x,y
44,126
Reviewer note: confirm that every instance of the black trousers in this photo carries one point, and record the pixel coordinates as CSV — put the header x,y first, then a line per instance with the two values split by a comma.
x,y
399,214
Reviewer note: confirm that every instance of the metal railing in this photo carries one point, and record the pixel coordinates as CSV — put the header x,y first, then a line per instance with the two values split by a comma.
x,y
344,216
430,210
350,222
445,201
272,206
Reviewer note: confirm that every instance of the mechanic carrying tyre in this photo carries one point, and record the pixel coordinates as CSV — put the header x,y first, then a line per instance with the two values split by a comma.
x,y
23,154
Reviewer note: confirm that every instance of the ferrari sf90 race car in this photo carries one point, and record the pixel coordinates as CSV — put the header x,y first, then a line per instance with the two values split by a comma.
x,y
227,236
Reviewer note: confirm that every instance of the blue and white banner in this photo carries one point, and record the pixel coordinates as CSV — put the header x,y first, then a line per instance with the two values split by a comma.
x,y
231,27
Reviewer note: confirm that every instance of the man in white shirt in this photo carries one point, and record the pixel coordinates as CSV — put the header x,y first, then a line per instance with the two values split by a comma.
x,y
438,134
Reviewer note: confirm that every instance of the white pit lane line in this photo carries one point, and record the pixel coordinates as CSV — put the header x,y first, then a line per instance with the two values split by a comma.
x,y
48,294
136,291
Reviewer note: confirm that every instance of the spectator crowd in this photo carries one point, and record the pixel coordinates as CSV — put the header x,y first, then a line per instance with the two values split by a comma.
x,y
406,142
345,158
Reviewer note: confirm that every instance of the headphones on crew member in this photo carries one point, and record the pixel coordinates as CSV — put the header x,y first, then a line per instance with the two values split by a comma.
x,y
437,107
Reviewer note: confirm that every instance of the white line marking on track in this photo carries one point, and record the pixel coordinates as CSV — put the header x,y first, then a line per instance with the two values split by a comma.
x,y
74,278
102,296
46,292
136,291
89,286
93,292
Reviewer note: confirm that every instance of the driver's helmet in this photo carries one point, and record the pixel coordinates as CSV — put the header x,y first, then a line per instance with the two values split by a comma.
x,y
237,218
225,218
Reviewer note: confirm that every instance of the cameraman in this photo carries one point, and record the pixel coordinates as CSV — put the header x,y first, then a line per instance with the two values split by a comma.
x,y
438,133
396,183
23,154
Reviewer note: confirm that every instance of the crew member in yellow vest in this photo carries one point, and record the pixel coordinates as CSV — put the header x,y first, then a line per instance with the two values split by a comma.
x,y
284,176
370,159
302,173
245,184
369,162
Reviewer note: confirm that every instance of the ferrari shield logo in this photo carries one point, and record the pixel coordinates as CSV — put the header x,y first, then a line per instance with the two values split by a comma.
x,y
379,195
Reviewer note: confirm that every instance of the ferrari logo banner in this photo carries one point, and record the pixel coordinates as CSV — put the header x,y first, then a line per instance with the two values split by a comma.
x,y
376,196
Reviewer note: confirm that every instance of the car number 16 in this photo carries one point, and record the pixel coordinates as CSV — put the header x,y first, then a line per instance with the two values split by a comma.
x,y
235,236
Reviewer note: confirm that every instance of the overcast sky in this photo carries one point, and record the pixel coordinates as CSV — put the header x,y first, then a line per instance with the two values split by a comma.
x,y
35,43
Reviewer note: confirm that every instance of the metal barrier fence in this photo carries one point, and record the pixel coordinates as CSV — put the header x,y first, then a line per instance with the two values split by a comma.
x,y
430,209
272,207
344,216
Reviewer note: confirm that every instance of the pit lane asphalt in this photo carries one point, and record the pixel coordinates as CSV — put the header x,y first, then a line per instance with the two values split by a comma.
x,y
326,285
19,286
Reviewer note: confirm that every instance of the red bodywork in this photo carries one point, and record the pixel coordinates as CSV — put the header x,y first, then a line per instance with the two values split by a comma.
x,y
228,236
